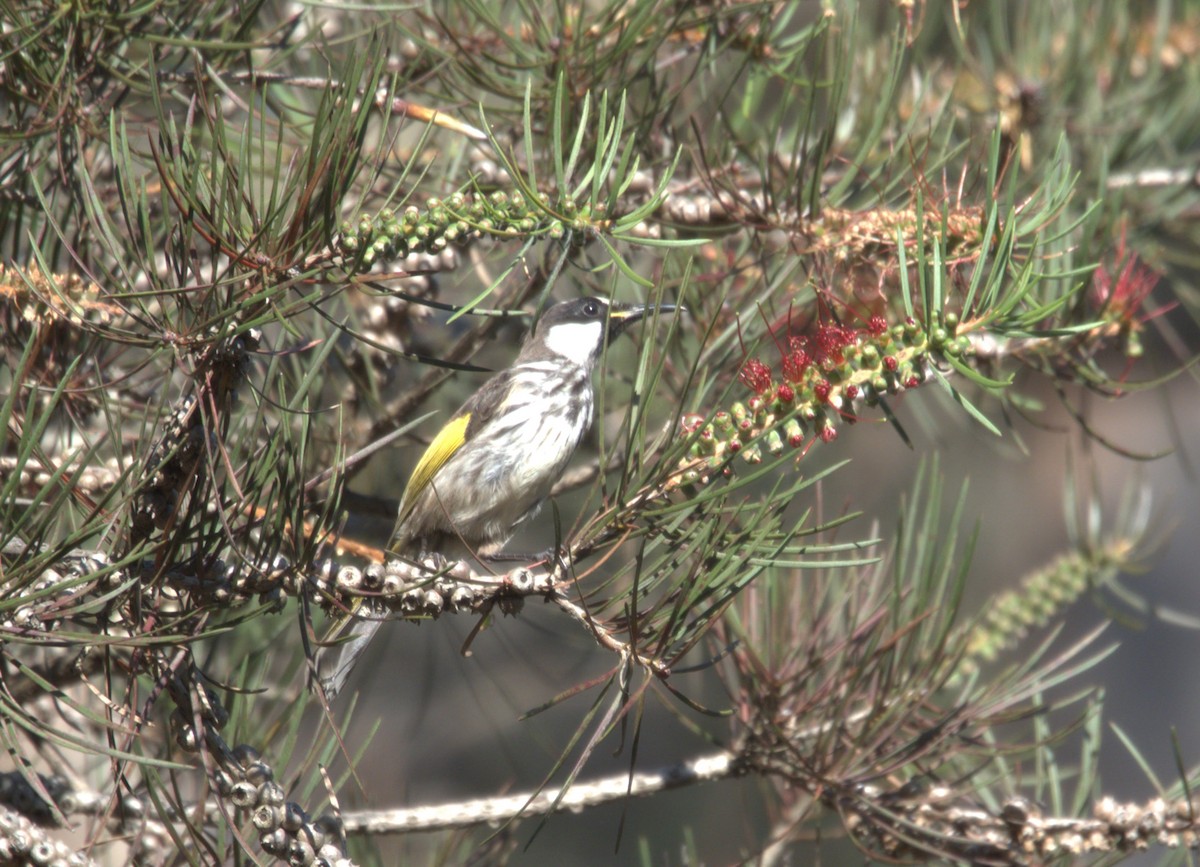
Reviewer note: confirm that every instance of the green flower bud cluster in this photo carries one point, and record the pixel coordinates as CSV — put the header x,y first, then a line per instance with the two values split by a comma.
x,y
456,219
1042,596
823,378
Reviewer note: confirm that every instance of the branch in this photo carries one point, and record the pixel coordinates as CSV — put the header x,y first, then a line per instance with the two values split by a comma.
x,y
1156,177
604,636
382,98
412,591
1018,833
465,814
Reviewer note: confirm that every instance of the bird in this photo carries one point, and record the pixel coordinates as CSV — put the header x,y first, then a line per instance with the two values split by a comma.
x,y
494,462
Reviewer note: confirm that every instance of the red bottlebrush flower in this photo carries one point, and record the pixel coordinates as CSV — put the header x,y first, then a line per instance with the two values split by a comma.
x,y
785,394
822,390
890,362
795,363
829,342
755,375
877,325
1121,293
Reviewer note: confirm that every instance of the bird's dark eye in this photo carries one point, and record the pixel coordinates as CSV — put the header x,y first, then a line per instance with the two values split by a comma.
x,y
591,308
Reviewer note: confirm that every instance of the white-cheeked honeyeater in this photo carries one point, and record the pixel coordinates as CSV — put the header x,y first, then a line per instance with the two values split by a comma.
x,y
495,461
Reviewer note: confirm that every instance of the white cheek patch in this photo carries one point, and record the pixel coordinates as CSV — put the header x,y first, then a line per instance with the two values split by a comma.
x,y
578,342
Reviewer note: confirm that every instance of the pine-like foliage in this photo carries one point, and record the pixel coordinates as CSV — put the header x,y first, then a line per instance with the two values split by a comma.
x,y
250,255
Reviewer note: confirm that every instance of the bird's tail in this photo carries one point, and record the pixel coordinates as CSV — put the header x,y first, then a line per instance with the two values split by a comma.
x,y
335,662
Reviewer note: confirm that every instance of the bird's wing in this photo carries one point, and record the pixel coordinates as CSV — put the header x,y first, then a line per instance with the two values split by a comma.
x,y
464,426
485,403
448,441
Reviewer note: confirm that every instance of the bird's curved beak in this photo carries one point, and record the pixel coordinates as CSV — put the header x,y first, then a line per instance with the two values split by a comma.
x,y
621,316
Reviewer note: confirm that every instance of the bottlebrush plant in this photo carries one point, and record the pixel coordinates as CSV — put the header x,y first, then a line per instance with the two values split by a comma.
x,y
254,256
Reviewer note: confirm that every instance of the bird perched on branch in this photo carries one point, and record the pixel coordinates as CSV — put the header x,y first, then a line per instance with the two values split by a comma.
x,y
496,460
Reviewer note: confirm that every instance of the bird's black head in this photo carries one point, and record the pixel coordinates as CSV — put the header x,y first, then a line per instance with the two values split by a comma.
x,y
577,329
612,314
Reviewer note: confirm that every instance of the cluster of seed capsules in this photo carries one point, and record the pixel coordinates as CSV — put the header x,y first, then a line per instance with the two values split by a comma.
x,y
822,377
285,830
458,219
25,842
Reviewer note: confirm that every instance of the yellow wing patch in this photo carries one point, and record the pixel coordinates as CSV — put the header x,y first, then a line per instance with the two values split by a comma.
x,y
448,441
